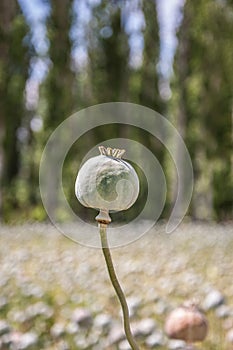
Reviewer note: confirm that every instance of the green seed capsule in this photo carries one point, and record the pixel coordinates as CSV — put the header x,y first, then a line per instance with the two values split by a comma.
x,y
107,182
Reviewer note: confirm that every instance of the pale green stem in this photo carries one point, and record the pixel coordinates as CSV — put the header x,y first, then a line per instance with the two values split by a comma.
x,y
117,286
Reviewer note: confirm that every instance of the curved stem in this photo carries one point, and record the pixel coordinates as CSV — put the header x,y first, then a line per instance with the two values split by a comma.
x,y
117,287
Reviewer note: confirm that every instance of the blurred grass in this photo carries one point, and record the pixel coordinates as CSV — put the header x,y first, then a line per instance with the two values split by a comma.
x,y
39,264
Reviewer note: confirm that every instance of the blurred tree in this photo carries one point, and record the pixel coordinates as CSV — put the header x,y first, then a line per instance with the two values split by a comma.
x,y
149,92
14,64
108,53
144,79
58,89
59,85
202,98
149,95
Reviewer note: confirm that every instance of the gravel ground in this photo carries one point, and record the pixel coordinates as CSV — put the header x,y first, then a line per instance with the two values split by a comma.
x,y
55,294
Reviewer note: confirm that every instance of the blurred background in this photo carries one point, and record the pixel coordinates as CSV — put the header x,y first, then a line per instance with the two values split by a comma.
x,y
60,56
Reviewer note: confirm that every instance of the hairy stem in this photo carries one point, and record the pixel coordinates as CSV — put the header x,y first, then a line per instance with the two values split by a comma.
x,y
117,286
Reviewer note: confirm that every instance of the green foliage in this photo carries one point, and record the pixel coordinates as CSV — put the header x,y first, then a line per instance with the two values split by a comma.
x,y
14,67
201,104
108,52
16,73
203,81
149,92
58,89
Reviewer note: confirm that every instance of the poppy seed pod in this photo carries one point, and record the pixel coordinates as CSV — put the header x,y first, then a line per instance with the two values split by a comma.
x,y
107,182
187,323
